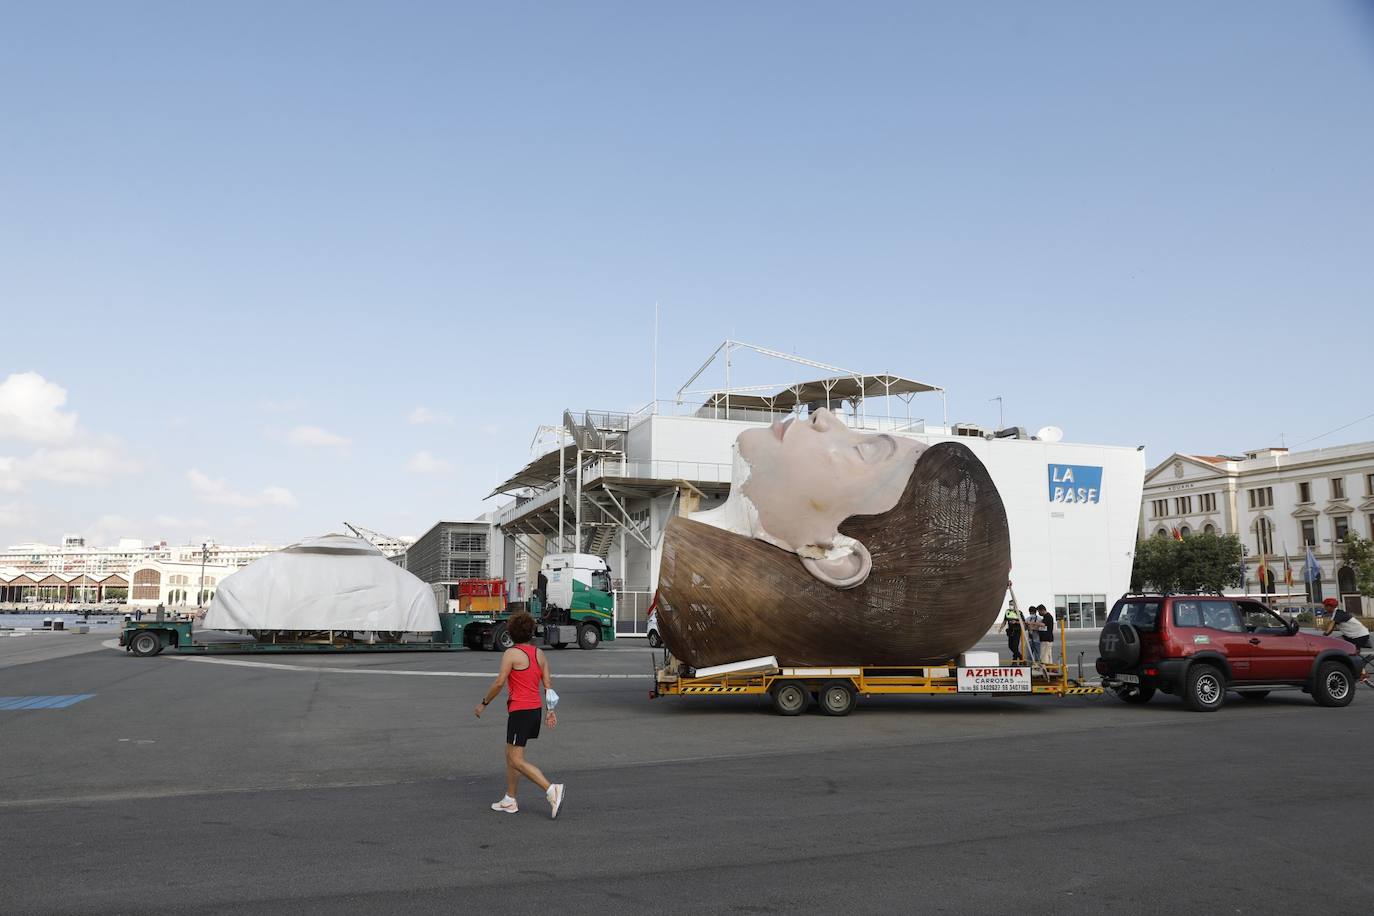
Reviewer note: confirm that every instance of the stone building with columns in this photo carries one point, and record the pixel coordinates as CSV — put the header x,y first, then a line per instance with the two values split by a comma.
x,y
1279,503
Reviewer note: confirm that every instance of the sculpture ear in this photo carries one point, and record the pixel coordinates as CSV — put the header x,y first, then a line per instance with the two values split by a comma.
x,y
846,572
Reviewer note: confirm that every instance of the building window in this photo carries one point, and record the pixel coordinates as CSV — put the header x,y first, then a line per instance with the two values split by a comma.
x,y
468,541
1338,488
1209,529
1161,533
1342,528
467,569
1261,497
1305,492
1184,531
1369,485
1309,533
1080,611
1160,507
1183,505
1264,535
147,585
1207,502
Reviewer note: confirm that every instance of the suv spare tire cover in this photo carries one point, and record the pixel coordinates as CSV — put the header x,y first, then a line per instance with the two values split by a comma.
x,y
1119,645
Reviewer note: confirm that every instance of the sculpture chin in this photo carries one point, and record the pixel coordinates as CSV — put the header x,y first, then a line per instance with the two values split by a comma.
x,y
841,572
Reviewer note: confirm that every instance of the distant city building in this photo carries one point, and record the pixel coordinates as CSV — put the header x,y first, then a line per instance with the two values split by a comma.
x,y
452,551
1279,503
175,583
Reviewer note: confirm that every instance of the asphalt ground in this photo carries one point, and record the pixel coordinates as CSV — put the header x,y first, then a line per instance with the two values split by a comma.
x,y
309,784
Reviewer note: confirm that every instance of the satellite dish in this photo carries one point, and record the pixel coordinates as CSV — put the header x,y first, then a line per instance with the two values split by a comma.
x,y
1049,434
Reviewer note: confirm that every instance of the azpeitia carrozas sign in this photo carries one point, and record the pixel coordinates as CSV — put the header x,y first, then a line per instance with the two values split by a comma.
x,y
1009,679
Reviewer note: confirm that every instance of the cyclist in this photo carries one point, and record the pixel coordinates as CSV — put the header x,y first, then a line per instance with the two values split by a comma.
x,y
1351,629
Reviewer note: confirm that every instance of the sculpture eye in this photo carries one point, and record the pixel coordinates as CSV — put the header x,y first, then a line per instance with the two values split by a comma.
x,y
878,448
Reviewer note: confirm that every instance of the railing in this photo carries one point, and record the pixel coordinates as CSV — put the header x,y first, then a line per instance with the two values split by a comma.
x,y
709,471
632,612
704,411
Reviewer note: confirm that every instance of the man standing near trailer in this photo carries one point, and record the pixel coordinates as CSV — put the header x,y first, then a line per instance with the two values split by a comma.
x,y
1011,622
524,669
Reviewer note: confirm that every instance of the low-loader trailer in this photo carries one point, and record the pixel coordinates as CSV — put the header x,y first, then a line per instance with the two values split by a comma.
x,y
836,689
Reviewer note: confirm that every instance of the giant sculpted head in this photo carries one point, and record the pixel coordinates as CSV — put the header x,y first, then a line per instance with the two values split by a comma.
x,y
796,481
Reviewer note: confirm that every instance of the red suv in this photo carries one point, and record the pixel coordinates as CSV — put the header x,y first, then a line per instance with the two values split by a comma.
x,y
1200,646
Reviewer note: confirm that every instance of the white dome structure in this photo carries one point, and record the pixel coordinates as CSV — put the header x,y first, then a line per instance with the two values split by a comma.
x,y
334,582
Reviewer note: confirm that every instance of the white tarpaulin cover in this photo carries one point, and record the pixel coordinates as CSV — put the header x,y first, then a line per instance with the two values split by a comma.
x,y
334,582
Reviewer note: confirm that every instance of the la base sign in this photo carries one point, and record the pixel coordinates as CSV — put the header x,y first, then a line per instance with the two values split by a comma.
x,y
1075,483
1009,679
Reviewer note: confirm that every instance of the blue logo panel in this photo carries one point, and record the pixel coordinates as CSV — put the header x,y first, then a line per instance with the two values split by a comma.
x,y
1075,483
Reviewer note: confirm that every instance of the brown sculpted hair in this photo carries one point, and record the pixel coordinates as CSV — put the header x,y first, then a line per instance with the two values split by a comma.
x,y
520,627
940,563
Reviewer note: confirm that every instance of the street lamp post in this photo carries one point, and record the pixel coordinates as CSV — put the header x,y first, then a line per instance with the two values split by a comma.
x,y
200,592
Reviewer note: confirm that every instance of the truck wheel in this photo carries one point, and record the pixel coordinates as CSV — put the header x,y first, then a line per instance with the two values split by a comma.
x,y
145,644
500,639
655,641
588,636
1205,689
1334,685
837,698
1253,696
1127,694
789,699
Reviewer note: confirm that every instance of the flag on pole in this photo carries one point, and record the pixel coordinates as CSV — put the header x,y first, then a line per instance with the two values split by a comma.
x,y
1311,572
1178,535
1262,573
1287,570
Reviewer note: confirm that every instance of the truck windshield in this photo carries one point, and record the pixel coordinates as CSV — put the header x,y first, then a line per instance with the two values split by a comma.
x,y
601,581
1143,615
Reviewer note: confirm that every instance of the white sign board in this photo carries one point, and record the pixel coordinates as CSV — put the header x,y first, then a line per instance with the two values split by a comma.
x,y
995,680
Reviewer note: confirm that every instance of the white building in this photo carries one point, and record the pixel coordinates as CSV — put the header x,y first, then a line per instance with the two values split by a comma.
x,y
618,478
73,557
174,583
1279,503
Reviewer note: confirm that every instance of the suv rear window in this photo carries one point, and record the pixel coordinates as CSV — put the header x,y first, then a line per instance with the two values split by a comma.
x,y
1143,615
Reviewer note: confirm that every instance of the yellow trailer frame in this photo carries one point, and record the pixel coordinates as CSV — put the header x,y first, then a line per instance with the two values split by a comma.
x,y
860,680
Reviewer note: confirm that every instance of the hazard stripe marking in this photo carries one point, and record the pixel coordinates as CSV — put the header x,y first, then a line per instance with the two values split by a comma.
x,y
56,701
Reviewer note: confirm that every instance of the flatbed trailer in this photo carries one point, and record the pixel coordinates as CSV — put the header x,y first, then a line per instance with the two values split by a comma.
x,y
836,689
457,631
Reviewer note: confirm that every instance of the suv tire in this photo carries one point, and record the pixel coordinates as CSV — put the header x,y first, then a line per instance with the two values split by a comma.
x,y
1134,695
1119,645
1205,688
1334,685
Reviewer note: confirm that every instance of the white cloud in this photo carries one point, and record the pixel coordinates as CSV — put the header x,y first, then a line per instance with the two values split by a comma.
x,y
421,416
218,492
30,409
81,465
314,437
425,463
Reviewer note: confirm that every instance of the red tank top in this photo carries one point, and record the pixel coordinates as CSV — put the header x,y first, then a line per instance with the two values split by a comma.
x,y
523,686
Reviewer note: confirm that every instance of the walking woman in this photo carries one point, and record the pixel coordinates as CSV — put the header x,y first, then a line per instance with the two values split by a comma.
x,y
523,670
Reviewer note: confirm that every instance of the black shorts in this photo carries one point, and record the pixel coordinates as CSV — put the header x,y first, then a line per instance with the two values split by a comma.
x,y
522,725
1360,642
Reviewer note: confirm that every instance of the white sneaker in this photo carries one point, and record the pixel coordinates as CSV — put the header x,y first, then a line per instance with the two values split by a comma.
x,y
555,797
506,805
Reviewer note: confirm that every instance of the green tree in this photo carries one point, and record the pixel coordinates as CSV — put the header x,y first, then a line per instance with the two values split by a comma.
x,y
1204,563
1358,554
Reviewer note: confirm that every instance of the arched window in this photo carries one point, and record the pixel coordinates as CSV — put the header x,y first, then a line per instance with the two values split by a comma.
x,y
1264,535
1209,529
1161,533
1345,580
1267,586
147,584
1185,531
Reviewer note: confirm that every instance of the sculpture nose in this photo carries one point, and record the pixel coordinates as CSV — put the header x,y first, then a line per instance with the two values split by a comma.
x,y
822,420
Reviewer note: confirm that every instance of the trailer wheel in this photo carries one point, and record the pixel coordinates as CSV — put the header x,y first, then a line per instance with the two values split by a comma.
x,y
145,644
500,639
837,698
790,699
588,636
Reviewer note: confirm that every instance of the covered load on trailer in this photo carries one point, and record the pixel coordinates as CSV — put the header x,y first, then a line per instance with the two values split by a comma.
x,y
334,582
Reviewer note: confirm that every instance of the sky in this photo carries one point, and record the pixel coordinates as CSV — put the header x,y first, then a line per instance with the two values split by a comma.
x,y
270,267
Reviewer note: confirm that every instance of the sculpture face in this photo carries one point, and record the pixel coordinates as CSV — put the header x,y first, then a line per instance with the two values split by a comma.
x,y
807,476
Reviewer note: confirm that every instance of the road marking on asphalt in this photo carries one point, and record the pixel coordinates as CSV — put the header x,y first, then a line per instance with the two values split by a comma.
x,y
245,663
49,702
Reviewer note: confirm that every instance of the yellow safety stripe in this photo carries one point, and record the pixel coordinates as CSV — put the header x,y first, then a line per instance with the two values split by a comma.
x,y
718,689
1081,691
